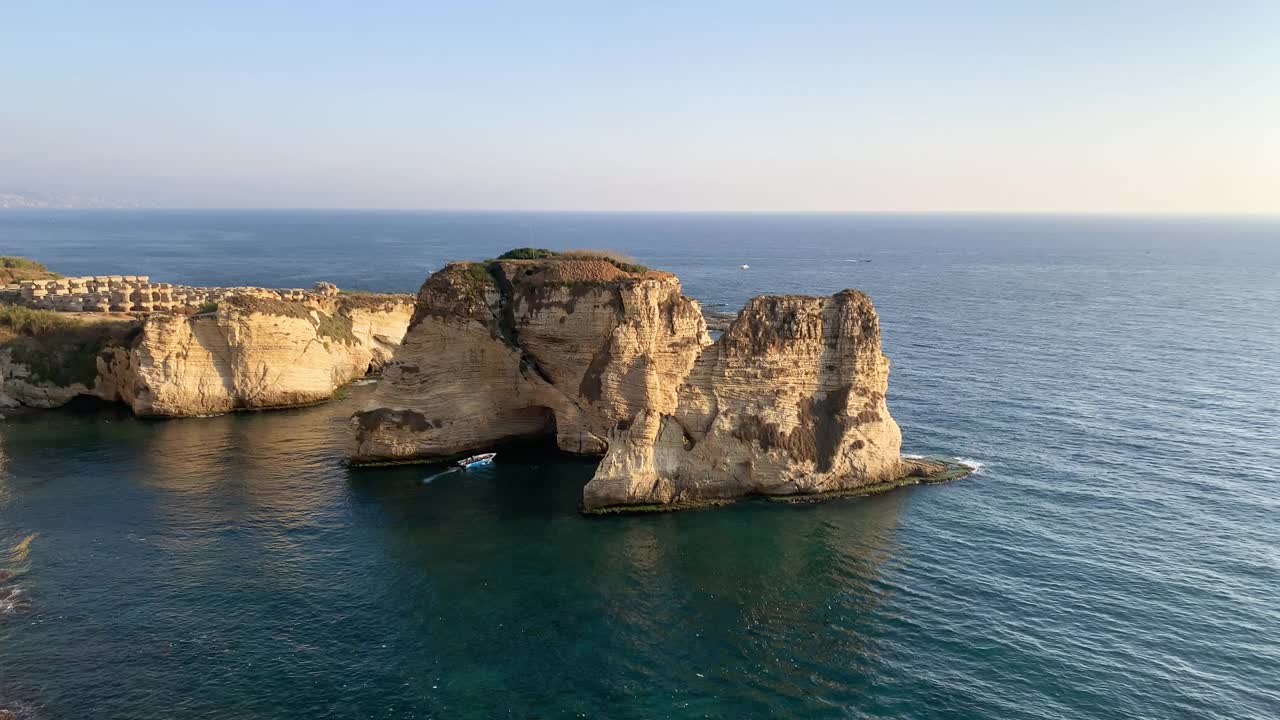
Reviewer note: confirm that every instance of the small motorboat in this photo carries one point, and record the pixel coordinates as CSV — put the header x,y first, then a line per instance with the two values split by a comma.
x,y
746,267
476,460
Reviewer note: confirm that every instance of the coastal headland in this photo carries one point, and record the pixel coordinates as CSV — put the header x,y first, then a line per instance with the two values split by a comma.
x,y
587,349
171,350
610,359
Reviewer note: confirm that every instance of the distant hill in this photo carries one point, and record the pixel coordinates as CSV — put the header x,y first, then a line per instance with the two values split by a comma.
x,y
57,201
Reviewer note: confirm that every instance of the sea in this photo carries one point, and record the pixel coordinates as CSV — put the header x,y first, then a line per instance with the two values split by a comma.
x,y
1114,380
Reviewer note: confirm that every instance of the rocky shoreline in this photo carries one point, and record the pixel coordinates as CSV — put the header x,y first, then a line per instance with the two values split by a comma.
x,y
238,349
611,360
606,357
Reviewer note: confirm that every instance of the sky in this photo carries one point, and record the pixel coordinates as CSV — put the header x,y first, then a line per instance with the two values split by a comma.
x,y
1122,106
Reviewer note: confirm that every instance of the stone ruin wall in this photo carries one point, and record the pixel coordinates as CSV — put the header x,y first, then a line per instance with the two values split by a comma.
x,y
136,293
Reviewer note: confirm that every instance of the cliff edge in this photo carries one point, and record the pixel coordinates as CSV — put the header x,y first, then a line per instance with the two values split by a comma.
x,y
612,359
254,350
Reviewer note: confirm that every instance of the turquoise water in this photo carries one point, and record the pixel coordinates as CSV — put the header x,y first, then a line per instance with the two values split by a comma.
x,y
1115,557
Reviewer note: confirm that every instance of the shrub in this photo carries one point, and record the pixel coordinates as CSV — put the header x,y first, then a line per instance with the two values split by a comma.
x,y
365,300
336,326
22,320
17,269
528,253
612,256
59,348
479,276
209,306
12,261
620,260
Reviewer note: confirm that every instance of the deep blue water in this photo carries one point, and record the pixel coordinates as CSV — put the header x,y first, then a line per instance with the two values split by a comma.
x,y
1116,557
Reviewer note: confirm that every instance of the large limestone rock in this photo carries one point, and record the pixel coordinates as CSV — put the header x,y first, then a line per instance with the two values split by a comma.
x,y
580,349
790,400
252,352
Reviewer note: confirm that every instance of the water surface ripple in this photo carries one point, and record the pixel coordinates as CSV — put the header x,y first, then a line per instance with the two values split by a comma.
x,y
1115,558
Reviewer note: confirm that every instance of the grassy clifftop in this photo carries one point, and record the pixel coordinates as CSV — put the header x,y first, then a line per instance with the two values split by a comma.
x,y
58,347
17,269
619,260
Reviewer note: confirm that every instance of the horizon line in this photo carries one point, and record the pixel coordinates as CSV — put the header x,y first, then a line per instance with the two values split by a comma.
x,y
563,211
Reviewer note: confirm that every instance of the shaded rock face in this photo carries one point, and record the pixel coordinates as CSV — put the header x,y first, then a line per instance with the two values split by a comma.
x,y
251,353
789,400
578,349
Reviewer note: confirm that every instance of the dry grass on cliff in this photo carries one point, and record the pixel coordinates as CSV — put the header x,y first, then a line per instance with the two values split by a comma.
x,y
19,320
582,271
613,256
620,260
366,300
58,347
336,327
17,269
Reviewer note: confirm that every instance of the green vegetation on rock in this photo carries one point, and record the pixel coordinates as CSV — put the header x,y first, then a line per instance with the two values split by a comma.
x,y
60,348
337,327
366,300
528,253
623,262
17,269
478,276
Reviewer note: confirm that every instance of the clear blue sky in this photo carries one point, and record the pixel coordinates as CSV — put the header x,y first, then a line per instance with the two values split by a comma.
x,y
893,106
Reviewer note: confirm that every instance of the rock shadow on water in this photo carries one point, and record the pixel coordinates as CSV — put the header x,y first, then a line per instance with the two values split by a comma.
x,y
529,477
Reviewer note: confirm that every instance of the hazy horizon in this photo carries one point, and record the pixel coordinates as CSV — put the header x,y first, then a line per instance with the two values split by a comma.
x,y
1117,214
1149,109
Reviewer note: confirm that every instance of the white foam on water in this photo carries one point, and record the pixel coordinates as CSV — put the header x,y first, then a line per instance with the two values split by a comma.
x,y
427,480
364,381
912,456
975,465
10,598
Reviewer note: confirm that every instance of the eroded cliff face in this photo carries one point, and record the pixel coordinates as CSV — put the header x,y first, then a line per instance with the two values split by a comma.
x,y
250,353
790,400
516,349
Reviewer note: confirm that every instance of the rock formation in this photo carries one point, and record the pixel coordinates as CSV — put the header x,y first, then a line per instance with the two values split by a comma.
x,y
252,351
613,360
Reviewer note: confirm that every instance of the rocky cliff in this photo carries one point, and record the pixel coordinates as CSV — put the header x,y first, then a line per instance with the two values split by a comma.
x,y
251,352
614,360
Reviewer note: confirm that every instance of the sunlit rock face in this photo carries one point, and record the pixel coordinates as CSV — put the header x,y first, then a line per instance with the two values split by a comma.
x,y
790,400
255,353
251,352
579,349
617,362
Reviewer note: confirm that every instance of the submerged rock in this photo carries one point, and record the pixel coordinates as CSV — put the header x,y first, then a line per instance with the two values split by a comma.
x,y
615,361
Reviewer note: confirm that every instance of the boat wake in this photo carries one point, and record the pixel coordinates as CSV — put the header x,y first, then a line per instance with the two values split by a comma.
x,y
427,480
13,595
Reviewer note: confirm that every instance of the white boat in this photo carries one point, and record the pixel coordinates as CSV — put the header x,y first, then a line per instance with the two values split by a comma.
x,y
746,267
477,460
